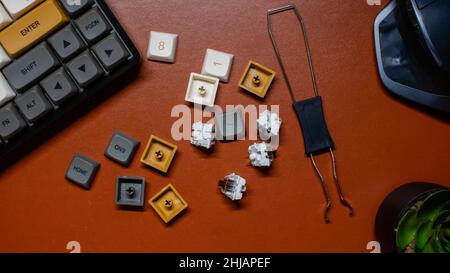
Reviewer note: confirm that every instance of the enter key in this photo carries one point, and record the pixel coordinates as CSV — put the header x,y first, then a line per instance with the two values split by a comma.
x,y
32,28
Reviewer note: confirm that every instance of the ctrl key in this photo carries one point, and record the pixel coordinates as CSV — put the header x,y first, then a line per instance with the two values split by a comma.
x,y
82,171
11,123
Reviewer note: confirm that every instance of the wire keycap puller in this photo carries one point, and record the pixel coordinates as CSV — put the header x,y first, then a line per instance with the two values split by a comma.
x,y
316,136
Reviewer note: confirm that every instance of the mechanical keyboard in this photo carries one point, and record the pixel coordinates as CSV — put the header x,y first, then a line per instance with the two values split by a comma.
x,y
58,59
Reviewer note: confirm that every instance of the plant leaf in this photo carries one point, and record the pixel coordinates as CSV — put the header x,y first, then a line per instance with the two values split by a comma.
x,y
433,204
446,245
429,247
433,245
424,233
438,246
407,229
445,242
443,236
443,216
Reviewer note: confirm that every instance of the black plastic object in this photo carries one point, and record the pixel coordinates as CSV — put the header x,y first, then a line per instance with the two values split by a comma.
x,y
404,64
394,206
429,21
78,105
315,132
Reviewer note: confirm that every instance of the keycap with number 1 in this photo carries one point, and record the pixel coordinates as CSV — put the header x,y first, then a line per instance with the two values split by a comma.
x,y
217,64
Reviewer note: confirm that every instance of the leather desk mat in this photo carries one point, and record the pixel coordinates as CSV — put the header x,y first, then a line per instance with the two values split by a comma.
x,y
381,142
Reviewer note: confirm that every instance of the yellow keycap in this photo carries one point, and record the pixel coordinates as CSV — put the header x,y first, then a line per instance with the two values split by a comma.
x,y
32,28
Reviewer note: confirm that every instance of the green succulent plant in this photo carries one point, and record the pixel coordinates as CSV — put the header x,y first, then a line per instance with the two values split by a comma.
x,y
425,227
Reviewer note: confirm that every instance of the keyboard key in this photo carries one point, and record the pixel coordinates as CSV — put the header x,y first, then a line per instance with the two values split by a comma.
x,y
75,7
59,86
121,148
202,89
33,104
257,79
159,154
11,123
85,69
30,67
49,69
66,43
82,171
93,25
19,7
111,51
168,203
217,64
4,58
32,27
162,46
5,19
6,92
230,125
130,191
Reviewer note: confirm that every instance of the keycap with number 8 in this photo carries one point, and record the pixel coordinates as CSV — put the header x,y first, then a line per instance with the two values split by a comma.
x,y
162,47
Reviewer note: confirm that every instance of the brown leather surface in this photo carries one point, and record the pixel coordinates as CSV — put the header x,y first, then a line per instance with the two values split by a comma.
x,y
381,143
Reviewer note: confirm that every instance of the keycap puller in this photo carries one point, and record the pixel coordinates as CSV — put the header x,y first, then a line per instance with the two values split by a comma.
x,y
316,136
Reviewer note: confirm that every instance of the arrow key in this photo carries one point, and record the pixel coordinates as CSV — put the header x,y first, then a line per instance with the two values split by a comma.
x,y
66,43
59,86
111,52
85,69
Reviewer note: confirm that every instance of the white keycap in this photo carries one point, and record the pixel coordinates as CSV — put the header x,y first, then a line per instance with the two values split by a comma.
x,y
5,19
18,8
6,92
202,89
217,64
162,47
4,58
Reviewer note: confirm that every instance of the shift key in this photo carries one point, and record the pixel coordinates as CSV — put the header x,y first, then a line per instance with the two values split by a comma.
x,y
32,27
31,67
